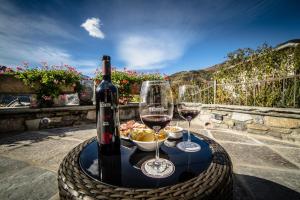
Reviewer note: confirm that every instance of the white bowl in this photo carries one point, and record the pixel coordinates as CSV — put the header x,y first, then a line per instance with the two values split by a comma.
x,y
148,146
175,134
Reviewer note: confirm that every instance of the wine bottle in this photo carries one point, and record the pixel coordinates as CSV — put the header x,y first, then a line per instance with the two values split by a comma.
x,y
107,112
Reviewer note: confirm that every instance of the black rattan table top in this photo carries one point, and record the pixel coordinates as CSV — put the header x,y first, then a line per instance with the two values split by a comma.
x,y
124,170
214,182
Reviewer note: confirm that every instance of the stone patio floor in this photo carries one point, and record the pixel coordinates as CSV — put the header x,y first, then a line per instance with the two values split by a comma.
x,y
264,168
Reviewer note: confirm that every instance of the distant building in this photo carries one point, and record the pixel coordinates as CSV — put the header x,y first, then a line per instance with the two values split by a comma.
x,y
287,44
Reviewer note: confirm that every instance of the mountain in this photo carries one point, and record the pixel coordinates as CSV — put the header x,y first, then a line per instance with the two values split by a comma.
x,y
204,75
193,76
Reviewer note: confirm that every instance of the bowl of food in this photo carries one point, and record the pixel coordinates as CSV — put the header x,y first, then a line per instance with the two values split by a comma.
x,y
174,132
126,128
144,139
172,142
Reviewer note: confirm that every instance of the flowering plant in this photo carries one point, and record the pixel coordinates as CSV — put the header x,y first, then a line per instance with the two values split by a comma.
x,y
48,82
126,80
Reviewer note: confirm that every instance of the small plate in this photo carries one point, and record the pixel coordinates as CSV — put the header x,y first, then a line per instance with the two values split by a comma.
x,y
175,134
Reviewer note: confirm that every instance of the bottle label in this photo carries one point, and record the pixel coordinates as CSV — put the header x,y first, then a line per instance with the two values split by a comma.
x,y
108,122
105,105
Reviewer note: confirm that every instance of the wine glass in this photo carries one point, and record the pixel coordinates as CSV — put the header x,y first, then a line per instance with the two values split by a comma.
x,y
156,111
188,108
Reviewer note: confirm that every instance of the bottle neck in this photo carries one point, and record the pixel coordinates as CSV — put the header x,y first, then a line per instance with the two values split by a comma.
x,y
107,77
106,70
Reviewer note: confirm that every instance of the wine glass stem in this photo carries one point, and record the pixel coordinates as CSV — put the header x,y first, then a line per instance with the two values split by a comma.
x,y
189,134
157,149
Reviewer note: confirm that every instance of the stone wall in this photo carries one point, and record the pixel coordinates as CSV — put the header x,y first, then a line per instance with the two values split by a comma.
x,y
280,123
21,119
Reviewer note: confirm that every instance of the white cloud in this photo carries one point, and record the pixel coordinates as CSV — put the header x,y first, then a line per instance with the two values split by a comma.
x,y
92,25
26,37
149,52
16,52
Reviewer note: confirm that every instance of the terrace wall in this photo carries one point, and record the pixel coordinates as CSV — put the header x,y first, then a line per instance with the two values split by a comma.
x,y
280,123
22,119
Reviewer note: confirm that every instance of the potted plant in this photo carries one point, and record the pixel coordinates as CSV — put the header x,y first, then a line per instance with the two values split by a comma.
x,y
128,83
46,82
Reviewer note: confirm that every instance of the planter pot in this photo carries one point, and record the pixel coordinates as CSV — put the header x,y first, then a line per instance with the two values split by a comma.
x,y
87,92
60,101
12,85
135,88
67,89
9,84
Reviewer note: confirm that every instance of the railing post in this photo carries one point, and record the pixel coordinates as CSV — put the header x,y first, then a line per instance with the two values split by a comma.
x,y
207,95
254,98
246,94
282,94
295,85
215,91
201,95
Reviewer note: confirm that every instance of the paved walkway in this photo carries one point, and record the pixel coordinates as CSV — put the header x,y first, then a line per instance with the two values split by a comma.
x,y
263,168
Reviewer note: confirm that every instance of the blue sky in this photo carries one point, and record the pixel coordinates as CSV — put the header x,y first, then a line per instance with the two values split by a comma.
x,y
157,35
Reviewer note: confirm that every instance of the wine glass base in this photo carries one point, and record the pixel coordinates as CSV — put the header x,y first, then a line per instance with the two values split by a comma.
x,y
160,168
188,146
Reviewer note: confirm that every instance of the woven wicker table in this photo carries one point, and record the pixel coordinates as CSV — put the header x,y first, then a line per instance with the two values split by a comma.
x,y
214,181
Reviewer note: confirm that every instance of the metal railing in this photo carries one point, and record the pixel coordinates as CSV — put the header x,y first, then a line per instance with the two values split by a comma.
x,y
273,92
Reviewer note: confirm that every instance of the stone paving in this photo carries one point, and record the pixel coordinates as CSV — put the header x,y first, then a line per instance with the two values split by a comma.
x,y
264,168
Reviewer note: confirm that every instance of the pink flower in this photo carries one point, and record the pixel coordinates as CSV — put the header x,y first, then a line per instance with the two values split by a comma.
x,y
25,64
19,68
8,69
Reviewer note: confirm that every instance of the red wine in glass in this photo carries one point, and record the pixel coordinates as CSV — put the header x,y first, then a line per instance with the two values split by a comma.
x,y
154,121
156,111
189,107
189,114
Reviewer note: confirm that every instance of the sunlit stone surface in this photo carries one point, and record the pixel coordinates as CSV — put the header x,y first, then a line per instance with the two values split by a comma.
x,y
264,168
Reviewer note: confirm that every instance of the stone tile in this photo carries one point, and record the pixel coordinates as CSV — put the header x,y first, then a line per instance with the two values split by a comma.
x,y
9,166
273,142
46,153
82,132
269,184
52,163
242,154
292,154
29,183
18,140
226,136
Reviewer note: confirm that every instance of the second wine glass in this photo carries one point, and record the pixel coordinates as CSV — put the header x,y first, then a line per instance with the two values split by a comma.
x,y
188,108
156,111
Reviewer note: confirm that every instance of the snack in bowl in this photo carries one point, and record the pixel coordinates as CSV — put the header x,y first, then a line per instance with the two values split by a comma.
x,y
175,132
145,138
127,127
